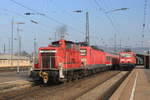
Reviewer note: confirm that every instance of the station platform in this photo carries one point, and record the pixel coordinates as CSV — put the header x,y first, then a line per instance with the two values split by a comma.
x,y
135,87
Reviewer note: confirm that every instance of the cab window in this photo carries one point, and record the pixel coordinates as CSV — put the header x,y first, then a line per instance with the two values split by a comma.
x,y
83,52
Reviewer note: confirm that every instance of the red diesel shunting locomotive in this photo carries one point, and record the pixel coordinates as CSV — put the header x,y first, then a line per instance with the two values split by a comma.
x,y
66,60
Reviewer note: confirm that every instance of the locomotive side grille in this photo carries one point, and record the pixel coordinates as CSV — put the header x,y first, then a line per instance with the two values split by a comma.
x,y
52,60
48,60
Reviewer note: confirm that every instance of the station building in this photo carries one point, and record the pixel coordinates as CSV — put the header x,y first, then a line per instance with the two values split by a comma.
x,y
7,60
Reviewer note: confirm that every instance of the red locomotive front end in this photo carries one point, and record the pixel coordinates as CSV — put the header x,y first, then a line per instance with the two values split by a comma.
x,y
127,59
55,60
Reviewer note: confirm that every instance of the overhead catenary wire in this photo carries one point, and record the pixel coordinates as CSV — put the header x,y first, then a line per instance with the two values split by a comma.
x,y
46,16
111,10
46,5
107,5
106,15
115,25
36,12
31,20
110,20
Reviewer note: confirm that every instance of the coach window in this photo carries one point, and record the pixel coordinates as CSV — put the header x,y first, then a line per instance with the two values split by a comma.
x,y
83,52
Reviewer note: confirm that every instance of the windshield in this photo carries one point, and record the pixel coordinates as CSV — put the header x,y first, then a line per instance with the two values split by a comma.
x,y
83,52
56,44
126,55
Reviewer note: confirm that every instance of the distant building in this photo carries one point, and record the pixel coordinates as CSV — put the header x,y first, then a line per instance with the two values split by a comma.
x,y
7,61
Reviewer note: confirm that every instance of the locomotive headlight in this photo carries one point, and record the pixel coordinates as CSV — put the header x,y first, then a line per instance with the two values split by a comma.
x,y
60,65
129,60
48,51
122,60
84,61
31,69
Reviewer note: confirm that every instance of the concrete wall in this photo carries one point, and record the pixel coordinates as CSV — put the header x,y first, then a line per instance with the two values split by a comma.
x,y
14,62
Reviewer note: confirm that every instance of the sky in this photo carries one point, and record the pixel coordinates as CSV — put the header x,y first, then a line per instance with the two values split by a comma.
x,y
126,24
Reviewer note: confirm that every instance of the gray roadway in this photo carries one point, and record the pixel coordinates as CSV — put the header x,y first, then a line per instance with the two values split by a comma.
x,y
14,76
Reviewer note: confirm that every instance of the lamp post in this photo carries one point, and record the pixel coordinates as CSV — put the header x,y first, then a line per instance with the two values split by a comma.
x,y
120,45
114,10
115,35
34,22
9,46
19,36
29,13
34,53
115,42
87,37
12,36
34,42
142,43
19,42
35,46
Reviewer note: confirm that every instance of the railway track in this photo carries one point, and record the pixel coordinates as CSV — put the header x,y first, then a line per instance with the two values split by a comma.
x,y
13,69
66,91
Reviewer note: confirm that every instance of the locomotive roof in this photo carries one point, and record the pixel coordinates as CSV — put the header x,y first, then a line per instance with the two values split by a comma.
x,y
97,48
71,42
111,52
82,43
128,52
85,44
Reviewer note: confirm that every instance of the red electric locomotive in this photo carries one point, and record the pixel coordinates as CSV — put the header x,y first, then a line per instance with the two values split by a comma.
x,y
127,60
66,60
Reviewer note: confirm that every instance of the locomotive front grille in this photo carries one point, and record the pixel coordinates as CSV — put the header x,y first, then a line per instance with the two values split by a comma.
x,y
48,60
